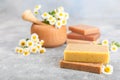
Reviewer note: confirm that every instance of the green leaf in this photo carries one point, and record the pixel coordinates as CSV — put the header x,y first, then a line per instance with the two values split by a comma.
x,y
46,22
27,39
52,13
117,44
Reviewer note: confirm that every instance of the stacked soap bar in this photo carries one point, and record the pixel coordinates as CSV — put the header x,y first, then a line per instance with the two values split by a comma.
x,y
84,32
80,41
85,57
88,67
86,53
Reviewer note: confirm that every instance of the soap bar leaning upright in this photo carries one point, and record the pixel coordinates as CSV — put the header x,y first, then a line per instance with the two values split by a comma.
x,y
84,29
88,67
86,53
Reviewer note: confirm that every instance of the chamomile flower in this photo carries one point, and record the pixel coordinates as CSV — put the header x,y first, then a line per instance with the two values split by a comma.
x,y
26,52
36,12
41,42
22,43
34,49
64,22
21,50
50,18
39,46
53,22
108,69
42,50
45,15
66,15
17,49
30,43
105,42
34,37
114,48
60,9
60,15
37,7
55,10
58,24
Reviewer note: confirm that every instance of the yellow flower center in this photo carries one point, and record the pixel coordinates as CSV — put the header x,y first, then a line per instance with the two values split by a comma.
x,y
37,6
50,18
42,51
30,43
21,51
38,47
17,50
34,37
26,53
36,12
113,48
59,24
33,49
107,69
105,42
45,14
60,14
23,43
63,21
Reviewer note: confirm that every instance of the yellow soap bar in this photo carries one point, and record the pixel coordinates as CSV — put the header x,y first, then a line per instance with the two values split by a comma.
x,y
86,53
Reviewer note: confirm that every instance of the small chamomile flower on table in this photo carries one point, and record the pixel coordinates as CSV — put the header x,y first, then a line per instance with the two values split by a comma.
x,y
30,43
34,37
41,42
22,42
107,69
39,46
17,49
34,49
33,45
26,52
21,50
114,48
105,42
42,50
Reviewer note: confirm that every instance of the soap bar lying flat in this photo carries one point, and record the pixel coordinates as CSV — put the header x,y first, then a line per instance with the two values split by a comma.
x,y
84,29
81,41
86,53
88,67
90,37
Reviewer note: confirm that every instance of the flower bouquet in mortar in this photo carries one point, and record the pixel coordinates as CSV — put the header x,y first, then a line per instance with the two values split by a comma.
x,y
52,26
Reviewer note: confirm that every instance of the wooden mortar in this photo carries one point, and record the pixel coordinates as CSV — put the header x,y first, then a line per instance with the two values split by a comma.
x,y
53,37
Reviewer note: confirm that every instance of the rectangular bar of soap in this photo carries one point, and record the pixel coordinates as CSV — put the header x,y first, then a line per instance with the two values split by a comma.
x,y
81,41
88,67
86,53
90,37
84,29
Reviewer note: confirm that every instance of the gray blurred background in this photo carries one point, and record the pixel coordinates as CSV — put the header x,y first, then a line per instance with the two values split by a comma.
x,y
104,14
106,11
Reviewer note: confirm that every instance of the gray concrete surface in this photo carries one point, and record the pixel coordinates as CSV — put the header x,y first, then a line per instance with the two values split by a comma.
x,y
45,67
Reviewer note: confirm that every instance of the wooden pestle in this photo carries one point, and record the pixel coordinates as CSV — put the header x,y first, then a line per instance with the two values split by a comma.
x,y
28,16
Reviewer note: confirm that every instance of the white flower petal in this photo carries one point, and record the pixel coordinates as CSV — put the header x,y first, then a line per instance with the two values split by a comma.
x,y
114,48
